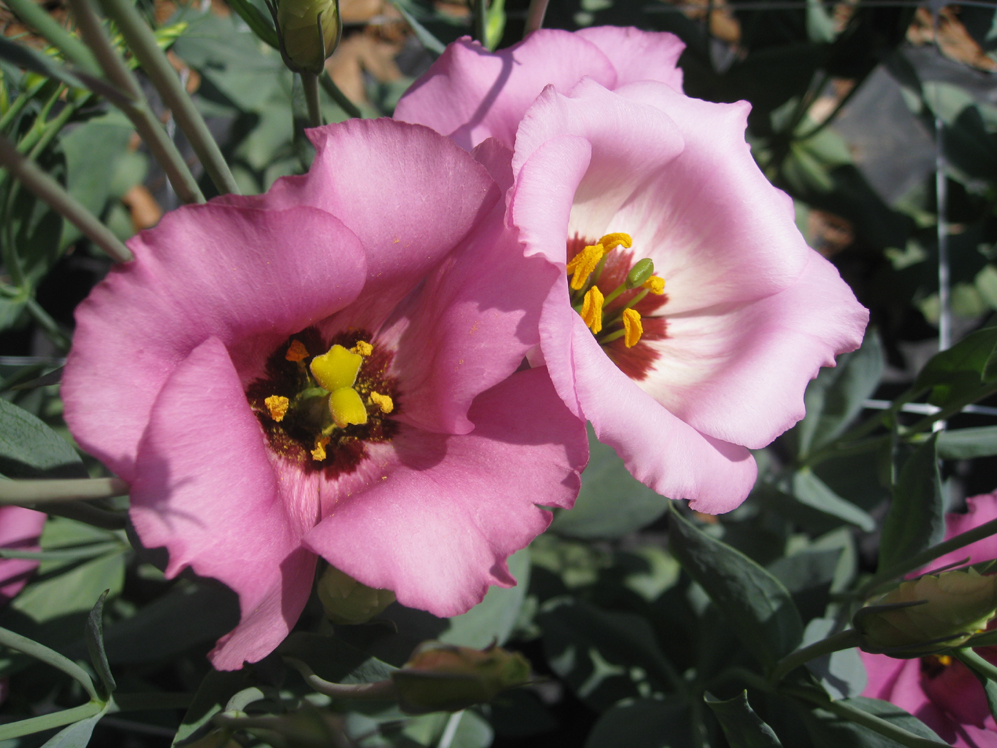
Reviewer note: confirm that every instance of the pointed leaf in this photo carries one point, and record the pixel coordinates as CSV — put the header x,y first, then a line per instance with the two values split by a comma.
x,y
257,22
77,735
960,369
30,449
965,444
743,728
94,636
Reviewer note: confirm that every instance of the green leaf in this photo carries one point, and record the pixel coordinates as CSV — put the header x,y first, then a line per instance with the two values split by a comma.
x,y
966,444
493,619
73,591
643,723
916,518
604,656
94,637
754,602
423,34
30,449
743,728
50,657
77,735
258,23
335,660
611,503
831,731
841,673
816,494
961,369
212,695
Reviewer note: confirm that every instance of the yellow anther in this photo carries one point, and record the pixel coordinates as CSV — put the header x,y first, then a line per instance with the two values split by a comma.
x,y
612,241
363,348
592,309
384,402
632,327
277,405
583,263
336,369
945,660
347,408
655,285
296,351
318,454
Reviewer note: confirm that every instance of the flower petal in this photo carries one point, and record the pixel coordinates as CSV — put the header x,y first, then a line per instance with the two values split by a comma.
x,y
248,277
739,374
19,531
438,526
471,94
659,449
979,510
204,489
639,55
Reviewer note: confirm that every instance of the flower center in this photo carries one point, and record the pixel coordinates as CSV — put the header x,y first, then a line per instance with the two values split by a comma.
x,y
616,297
321,403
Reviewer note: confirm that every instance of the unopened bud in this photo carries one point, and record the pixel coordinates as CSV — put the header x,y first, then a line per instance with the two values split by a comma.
x,y
347,601
305,39
442,677
930,614
640,272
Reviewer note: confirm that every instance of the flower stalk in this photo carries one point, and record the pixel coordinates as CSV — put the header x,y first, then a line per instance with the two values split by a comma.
x,y
31,492
837,642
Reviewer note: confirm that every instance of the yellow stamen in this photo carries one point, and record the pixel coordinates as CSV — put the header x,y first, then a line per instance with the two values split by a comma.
x,y
363,348
296,351
277,405
612,241
347,408
655,285
384,402
336,369
632,327
583,263
945,660
318,454
592,309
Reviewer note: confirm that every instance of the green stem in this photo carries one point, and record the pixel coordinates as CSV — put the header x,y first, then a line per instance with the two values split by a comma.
x,y
951,409
926,556
973,661
33,492
73,554
142,42
49,656
859,717
17,106
338,96
51,192
309,84
149,128
88,514
835,643
13,730
535,16
49,325
72,48
380,690
480,19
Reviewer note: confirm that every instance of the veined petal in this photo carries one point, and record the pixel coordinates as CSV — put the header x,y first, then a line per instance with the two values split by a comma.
x,y
471,94
247,277
204,489
437,528
20,529
638,55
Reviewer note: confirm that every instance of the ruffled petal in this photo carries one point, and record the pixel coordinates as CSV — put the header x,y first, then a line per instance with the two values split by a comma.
x,y
471,94
248,277
204,489
19,531
658,448
437,526
639,55
739,374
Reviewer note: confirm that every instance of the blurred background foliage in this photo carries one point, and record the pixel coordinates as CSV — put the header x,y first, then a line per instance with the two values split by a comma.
x,y
866,113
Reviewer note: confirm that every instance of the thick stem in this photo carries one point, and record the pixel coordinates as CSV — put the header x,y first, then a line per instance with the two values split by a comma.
x,y
33,492
381,690
13,730
142,42
309,84
47,189
480,16
72,48
535,16
50,657
338,96
835,643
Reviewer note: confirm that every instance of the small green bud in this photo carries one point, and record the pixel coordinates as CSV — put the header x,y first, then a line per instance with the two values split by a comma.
x,y
929,614
442,677
347,601
304,46
640,272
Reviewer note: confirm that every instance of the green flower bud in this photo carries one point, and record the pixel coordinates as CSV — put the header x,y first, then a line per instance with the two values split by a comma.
x,y
347,601
303,45
640,272
930,614
442,677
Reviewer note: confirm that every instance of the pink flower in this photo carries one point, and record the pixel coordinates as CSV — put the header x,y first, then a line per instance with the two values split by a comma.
x,y
19,530
940,691
708,357
329,369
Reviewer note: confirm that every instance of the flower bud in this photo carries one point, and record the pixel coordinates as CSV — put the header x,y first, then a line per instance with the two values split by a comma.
x,y
442,677
929,614
347,601
640,272
304,46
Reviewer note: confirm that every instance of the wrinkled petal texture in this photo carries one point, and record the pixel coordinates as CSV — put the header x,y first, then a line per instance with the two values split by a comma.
x,y
638,55
19,531
205,490
438,523
246,276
